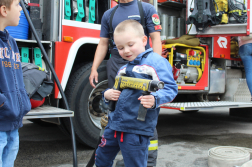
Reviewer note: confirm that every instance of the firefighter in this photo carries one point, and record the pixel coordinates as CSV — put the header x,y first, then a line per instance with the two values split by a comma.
x,y
126,9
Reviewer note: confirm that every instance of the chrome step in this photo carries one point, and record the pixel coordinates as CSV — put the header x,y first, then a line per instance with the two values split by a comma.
x,y
189,106
48,112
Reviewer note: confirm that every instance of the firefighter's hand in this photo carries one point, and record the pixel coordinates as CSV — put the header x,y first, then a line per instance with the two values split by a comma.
x,y
104,121
1,105
112,94
93,76
148,101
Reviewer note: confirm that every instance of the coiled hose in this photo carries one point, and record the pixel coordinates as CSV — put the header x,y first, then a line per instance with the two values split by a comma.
x,y
240,16
228,156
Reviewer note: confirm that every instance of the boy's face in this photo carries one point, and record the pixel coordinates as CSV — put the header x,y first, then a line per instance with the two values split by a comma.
x,y
13,14
129,44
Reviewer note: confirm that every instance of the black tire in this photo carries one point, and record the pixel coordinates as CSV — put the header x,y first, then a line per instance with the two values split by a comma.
x,y
85,102
65,129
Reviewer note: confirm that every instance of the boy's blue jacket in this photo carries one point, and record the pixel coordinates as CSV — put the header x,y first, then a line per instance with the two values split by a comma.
x,y
153,67
12,89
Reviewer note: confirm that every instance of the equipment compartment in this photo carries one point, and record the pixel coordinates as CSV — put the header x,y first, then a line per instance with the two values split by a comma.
x,y
190,65
231,27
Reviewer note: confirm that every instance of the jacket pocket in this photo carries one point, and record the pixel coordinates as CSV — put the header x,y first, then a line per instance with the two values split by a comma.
x,y
2,98
25,102
11,108
2,108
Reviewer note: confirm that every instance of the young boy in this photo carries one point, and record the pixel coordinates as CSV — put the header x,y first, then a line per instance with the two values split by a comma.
x,y
14,101
124,132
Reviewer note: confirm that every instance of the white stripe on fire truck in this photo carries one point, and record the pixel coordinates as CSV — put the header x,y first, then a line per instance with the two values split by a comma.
x,y
81,24
71,57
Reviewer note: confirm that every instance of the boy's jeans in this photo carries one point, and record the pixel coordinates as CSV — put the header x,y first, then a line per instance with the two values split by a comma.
x,y
9,144
245,52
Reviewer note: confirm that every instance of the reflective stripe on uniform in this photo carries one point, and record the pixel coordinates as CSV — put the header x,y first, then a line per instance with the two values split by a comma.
x,y
153,145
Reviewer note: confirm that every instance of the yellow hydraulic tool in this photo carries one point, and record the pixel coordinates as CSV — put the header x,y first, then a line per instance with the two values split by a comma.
x,y
146,85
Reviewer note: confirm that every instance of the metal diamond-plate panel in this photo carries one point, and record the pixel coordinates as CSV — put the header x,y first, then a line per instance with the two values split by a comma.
x,y
242,93
189,106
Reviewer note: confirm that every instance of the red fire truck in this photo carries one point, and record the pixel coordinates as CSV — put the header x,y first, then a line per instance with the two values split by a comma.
x,y
208,75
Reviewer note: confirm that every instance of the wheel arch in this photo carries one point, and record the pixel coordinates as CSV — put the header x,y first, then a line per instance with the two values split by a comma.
x,y
76,56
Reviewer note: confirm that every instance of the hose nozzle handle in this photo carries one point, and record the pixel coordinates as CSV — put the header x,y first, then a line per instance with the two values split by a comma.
x,y
142,110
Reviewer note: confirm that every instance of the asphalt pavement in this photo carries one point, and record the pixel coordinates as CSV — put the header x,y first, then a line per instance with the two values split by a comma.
x,y
184,140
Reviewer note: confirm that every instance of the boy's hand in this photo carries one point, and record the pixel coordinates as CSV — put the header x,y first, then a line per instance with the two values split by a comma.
x,y
112,94
1,105
147,101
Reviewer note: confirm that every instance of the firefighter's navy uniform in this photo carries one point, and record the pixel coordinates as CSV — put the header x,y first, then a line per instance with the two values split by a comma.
x,y
151,23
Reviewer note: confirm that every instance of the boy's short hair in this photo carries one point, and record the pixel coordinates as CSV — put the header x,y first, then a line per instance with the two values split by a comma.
x,y
6,3
124,25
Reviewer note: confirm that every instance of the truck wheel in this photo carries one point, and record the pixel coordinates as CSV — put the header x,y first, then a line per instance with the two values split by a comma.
x,y
86,102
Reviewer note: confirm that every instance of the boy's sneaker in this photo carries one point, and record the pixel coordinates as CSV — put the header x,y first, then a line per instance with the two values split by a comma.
x,y
120,163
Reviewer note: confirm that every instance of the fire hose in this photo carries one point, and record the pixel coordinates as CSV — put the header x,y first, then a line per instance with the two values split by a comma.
x,y
46,59
228,156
